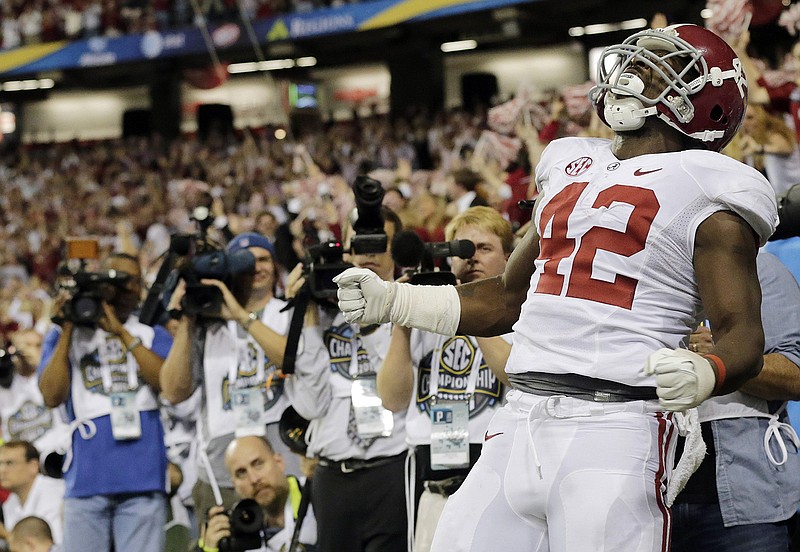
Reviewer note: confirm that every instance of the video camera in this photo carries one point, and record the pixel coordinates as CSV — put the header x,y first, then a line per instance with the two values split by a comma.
x,y
7,355
247,522
370,236
408,250
324,261
322,264
788,214
88,289
195,257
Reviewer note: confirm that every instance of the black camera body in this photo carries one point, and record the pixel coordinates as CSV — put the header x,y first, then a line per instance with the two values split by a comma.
x,y
7,355
89,291
322,264
788,214
408,250
206,300
247,521
194,257
370,236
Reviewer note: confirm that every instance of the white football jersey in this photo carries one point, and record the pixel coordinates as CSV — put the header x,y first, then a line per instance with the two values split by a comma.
x,y
614,280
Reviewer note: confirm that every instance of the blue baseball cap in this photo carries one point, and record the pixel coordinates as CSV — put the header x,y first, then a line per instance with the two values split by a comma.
x,y
251,239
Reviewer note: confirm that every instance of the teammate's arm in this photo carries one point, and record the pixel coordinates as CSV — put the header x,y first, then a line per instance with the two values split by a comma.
x,y
496,351
727,279
395,380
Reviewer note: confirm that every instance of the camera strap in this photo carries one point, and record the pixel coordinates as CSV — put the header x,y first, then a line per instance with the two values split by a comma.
x,y
300,304
301,511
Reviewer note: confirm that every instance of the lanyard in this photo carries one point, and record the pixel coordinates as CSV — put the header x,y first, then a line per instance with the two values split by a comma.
x,y
436,360
111,347
242,347
355,344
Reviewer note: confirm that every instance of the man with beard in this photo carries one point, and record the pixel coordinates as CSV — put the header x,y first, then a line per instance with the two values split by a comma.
x,y
107,374
259,473
229,365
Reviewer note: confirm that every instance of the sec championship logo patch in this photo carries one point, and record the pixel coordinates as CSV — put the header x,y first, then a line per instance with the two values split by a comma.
x,y
579,166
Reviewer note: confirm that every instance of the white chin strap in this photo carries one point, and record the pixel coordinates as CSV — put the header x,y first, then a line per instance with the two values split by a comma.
x,y
626,113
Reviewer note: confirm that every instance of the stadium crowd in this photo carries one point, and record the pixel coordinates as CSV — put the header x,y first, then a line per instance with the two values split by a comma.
x,y
24,23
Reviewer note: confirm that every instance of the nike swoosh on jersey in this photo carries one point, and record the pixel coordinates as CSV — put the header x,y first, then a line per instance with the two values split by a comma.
x,y
486,435
640,172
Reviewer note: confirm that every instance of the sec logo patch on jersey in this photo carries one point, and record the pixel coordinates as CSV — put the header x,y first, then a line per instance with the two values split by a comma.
x,y
578,166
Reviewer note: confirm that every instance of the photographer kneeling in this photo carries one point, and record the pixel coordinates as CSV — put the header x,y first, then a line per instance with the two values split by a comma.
x,y
259,477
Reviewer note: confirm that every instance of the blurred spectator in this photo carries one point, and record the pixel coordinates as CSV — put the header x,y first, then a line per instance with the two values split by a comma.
x,y
32,534
428,218
266,224
766,143
463,191
33,494
23,414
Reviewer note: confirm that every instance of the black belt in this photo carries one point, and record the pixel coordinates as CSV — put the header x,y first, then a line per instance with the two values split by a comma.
x,y
580,387
445,487
349,465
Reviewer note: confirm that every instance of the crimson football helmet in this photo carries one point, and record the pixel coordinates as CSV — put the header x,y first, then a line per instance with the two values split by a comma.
x,y
705,89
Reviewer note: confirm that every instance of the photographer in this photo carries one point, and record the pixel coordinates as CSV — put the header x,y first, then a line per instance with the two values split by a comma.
x,y
23,414
234,357
107,373
358,486
425,374
259,474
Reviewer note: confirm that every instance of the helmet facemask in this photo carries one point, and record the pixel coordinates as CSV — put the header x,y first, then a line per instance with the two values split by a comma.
x,y
680,67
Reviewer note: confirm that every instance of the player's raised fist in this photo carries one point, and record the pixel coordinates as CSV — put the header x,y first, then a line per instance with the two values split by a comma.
x,y
364,297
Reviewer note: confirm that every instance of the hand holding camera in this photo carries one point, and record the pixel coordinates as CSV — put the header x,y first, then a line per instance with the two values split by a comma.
x,y
236,530
230,309
217,528
109,322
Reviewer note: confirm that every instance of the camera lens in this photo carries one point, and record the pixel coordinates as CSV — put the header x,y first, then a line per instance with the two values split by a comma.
x,y
368,192
246,517
86,309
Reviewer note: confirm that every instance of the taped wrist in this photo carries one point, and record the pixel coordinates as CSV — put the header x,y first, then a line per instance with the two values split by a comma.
x,y
434,309
722,371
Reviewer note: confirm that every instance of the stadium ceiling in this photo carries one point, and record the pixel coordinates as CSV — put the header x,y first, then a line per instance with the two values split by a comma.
x,y
535,23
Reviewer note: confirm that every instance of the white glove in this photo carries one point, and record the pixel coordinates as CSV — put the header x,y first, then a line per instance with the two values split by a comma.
x,y
364,297
683,379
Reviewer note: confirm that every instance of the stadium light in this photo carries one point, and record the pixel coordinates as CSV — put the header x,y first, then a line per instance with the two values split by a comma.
x,y
600,28
30,84
459,46
271,65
